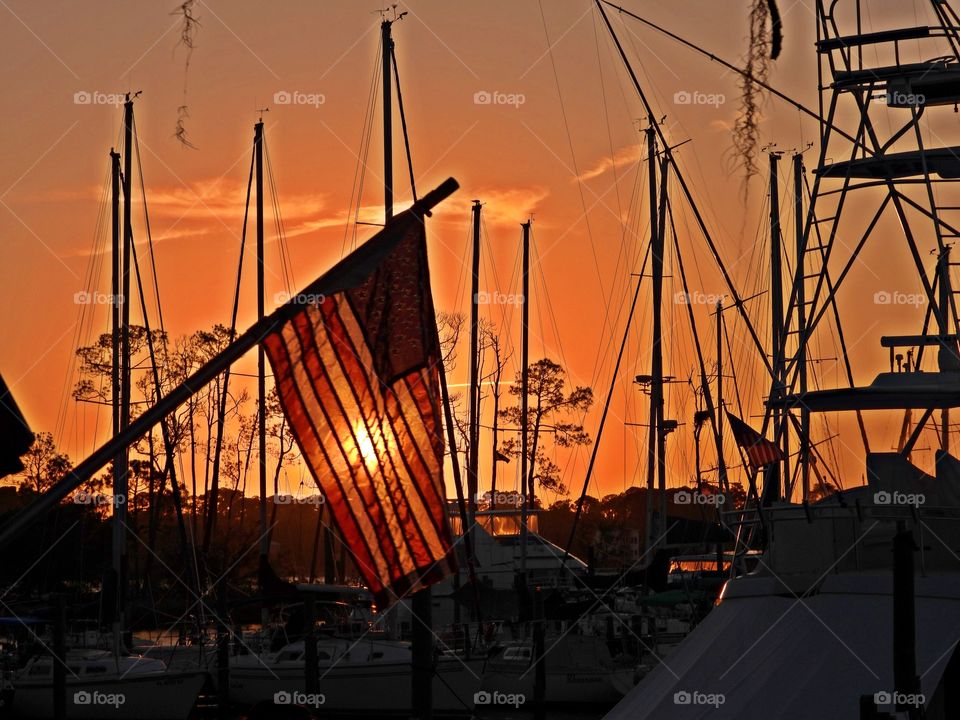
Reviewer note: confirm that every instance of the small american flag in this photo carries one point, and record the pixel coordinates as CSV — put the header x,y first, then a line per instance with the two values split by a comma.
x,y
759,450
357,373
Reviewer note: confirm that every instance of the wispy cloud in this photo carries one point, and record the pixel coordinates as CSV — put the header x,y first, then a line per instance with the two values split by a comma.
x,y
501,205
627,155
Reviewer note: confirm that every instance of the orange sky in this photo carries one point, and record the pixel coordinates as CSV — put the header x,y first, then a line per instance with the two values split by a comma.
x,y
577,118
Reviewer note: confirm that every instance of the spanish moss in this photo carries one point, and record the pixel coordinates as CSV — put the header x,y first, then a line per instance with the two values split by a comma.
x,y
188,33
764,46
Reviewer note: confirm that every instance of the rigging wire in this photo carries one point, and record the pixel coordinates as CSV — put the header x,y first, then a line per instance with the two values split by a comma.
x,y
359,174
604,327
84,322
403,122
286,265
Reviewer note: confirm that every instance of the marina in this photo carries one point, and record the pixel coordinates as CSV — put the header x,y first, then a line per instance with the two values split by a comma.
x,y
595,362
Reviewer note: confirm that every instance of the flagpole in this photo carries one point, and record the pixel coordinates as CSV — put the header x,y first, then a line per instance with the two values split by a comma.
x,y
338,278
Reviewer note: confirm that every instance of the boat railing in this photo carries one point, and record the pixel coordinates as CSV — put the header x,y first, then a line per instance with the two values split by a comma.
x,y
863,519
746,517
927,77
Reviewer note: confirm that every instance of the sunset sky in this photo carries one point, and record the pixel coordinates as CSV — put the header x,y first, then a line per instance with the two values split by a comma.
x,y
563,148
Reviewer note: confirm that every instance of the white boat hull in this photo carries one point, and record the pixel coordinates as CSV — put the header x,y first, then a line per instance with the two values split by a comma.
x,y
373,688
587,687
160,696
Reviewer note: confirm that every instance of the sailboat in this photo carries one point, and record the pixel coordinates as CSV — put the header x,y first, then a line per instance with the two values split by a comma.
x,y
852,608
115,682
347,671
327,670
101,684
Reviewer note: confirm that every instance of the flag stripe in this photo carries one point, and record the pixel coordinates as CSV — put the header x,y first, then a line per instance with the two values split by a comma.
x,y
434,538
350,472
411,392
371,497
359,383
431,528
759,450
309,440
341,472
358,378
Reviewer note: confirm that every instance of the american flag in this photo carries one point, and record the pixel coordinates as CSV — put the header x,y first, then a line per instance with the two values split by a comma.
x,y
759,450
357,373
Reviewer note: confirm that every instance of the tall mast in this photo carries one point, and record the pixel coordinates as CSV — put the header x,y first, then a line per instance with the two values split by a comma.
x,y
116,396
720,460
421,681
656,360
801,325
473,485
659,380
524,387
122,461
386,46
261,370
773,476
945,295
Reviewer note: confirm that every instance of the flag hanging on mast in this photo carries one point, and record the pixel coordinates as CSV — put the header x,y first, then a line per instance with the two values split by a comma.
x,y
357,373
759,450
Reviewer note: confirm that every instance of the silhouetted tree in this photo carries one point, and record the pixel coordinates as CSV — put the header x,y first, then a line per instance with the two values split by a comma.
x,y
43,465
548,406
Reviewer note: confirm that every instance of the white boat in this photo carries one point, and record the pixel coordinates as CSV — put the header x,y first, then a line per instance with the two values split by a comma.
x,y
808,633
579,670
100,685
367,676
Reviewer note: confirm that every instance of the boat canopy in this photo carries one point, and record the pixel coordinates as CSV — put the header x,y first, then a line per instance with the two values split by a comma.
x,y
769,655
889,391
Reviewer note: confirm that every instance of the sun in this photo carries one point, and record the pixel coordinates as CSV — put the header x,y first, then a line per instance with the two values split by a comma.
x,y
366,444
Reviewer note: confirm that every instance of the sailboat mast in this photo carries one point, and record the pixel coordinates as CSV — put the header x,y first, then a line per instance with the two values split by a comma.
x,y
721,463
801,325
421,602
473,485
115,396
122,460
774,479
656,360
261,369
946,292
658,379
524,420
386,47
